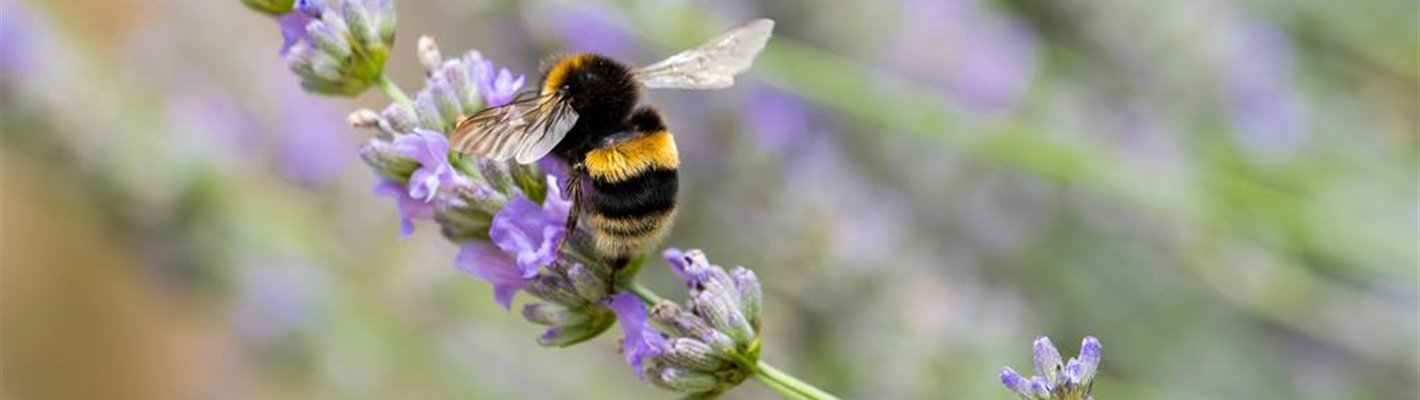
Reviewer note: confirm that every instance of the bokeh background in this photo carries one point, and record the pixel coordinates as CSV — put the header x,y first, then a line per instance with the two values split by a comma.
x,y
1227,193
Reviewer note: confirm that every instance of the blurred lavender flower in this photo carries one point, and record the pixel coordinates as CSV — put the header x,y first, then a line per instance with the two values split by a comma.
x,y
17,36
985,60
1265,110
776,118
1057,380
314,146
274,301
345,46
593,28
498,88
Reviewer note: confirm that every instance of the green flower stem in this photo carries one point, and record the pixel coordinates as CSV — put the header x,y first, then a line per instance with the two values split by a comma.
x,y
775,379
645,293
393,91
780,381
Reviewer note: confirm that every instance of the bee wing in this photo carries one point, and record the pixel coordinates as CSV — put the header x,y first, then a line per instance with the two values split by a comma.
x,y
524,130
712,65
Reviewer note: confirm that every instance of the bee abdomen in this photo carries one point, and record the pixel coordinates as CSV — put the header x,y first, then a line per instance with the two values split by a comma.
x,y
628,216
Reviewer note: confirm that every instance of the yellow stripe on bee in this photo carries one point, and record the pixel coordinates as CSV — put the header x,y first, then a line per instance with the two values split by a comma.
x,y
627,159
558,72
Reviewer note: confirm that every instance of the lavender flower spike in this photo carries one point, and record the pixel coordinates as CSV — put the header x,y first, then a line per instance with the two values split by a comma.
x,y
344,47
1072,380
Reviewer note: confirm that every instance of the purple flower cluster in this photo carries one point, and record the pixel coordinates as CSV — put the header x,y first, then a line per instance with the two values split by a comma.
x,y
1054,379
707,349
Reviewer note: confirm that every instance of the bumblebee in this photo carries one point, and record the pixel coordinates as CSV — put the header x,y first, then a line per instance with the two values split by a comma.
x,y
623,160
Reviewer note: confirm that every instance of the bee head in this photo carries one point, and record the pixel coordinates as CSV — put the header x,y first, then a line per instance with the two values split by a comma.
x,y
594,84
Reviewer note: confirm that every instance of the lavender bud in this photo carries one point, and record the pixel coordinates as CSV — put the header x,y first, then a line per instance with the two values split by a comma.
x,y
385,13
1047,360
459,223
692,354
1089,359
751,294
364,118
724,317
589,285
567,335
552,314
686,381
328,40
498,174
554,289
531,180
388,163
428,111
456,73
482,198
429,55
446,101
400,118
1016,383
358,20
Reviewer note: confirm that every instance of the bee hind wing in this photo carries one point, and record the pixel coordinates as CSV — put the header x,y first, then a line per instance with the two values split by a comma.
x,y
712,65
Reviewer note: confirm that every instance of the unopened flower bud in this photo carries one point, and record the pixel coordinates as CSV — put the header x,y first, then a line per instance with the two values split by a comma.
x,y
401,118
450,111
427,111
588,284
456,73
567,335
724,317
386,161
751,294
459,222
552,314
429,55
497,173
692,354
686,381
554,289
364,118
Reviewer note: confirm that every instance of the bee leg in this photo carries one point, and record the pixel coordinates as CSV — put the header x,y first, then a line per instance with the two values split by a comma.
x,y
573,188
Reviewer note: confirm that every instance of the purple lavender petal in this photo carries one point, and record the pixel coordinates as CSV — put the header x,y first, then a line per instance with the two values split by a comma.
x,y
409,208
641,341
293,29
521,229
498,88
554,207
431,150
678,262
487,262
